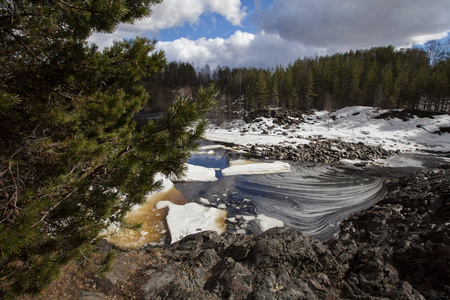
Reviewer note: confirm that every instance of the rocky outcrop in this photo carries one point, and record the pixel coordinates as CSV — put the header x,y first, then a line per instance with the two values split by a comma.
x,y
403,242
326,151
407,114
398,249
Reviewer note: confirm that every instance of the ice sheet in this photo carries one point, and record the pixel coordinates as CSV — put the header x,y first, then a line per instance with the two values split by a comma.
x,y
191,218
256,168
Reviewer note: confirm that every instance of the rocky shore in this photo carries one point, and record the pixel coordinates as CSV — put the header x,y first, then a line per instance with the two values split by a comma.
x,y
397,249
325,151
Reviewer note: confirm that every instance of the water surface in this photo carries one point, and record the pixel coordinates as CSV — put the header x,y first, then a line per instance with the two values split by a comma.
x,y
313,198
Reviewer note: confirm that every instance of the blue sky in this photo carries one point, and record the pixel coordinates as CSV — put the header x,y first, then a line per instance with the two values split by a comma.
x,y
267,33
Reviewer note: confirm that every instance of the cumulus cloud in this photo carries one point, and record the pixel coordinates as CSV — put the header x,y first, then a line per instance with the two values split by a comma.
x,y
355,23
174,13
288,30
242,49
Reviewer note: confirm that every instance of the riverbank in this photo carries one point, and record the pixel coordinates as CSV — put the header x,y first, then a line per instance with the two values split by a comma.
x,y
388,130
397,249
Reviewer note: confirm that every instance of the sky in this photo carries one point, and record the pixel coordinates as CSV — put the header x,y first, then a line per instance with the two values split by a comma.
x,y
267,33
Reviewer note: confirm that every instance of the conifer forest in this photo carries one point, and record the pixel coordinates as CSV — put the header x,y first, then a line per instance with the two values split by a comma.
x,y
382,77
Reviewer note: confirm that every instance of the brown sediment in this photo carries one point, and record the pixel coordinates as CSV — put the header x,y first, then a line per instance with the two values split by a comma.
x,y
220,221
153,220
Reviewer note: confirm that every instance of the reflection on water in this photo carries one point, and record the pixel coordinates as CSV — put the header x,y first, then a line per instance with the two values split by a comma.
x,y
154,225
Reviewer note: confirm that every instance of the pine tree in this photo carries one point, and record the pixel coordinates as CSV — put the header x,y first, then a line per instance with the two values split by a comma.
x,y
262,90
71,159
274,98
310,89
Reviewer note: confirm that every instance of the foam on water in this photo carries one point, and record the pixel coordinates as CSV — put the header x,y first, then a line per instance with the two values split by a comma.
x,y
314,199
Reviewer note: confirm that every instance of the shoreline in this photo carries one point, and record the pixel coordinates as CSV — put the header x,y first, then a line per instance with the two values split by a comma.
x,y
398,248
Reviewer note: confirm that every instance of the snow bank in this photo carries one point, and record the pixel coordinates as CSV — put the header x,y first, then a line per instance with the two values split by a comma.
x,y
191,218
351,124
265,223
198,173
239,168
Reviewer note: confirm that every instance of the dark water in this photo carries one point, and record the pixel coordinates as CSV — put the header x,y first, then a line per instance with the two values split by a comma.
x,y
313,198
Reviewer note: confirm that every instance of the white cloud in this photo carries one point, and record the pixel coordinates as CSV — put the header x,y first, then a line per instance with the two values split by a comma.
x,y
422,39
174,13
230,9
355,23
242,49
290,29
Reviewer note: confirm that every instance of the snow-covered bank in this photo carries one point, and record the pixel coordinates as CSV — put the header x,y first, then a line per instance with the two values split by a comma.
x,y
351,124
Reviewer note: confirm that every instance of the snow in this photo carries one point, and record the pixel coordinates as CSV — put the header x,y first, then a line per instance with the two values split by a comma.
x,y
265,223
238,168
204,201
166,185
198,173
248,218
350,124
191,218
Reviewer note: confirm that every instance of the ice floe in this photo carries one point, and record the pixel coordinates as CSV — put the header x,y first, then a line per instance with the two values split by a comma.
x,y
242,168
265,223
197,173
191,218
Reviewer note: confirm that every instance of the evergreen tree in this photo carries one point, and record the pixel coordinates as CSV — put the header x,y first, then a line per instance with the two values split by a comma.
x,y
71,160
274,98
388,87
310,90
262,90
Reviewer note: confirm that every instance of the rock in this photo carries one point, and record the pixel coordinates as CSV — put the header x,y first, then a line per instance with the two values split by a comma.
x,y
85,295
389,251
324,151
229,279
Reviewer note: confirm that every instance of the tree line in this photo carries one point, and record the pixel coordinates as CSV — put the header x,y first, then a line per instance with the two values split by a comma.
x,y
381,77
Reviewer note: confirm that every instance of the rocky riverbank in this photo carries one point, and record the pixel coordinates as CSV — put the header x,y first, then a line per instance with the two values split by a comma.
x,y
325,151
397,249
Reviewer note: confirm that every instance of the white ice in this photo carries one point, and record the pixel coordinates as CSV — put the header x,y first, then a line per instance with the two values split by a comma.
x,y
256,168
191,218
197,173
265,223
